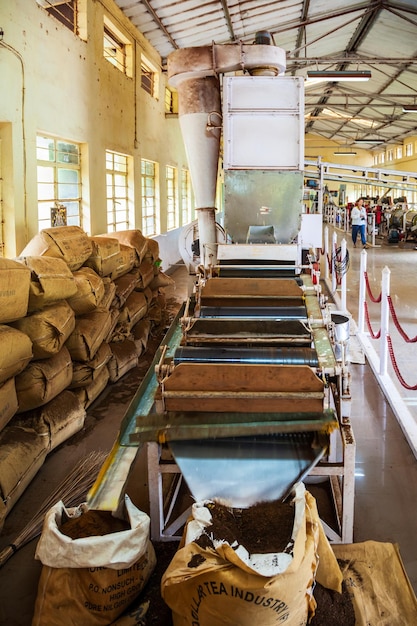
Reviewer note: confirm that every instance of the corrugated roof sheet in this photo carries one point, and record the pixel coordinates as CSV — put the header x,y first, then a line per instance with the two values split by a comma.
x,y
380,35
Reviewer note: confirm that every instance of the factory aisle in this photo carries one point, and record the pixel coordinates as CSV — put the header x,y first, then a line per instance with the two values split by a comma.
x,y
386,469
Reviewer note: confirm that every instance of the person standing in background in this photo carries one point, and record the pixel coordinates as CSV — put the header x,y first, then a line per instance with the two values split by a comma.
x,y
358,216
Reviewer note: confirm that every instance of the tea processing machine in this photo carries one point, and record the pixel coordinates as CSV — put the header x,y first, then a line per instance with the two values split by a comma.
x,y
249,391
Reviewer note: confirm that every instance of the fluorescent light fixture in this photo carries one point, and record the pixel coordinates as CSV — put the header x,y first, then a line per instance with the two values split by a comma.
x,y
375,140
345,75
344,153
409,108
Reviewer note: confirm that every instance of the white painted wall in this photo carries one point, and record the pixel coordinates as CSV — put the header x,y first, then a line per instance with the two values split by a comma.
x,y
72,92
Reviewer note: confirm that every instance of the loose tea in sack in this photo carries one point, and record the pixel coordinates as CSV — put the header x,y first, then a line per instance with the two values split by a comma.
x,y
91,579
223,584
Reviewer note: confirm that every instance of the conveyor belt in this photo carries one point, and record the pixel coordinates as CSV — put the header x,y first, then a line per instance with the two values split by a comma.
x,y
275,313
256,269
244,331
256,272
218,354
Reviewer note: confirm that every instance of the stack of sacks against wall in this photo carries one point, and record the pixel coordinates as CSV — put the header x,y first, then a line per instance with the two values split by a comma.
x,y
36,367
15,354
76,313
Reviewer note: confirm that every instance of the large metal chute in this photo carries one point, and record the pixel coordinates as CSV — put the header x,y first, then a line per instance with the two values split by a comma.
x,y
243,471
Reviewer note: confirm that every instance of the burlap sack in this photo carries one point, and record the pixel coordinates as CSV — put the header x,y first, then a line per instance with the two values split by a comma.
x,y
146,275
152,252
15,353
376,580
226,585
69,243
57,421
140,334
157,311
88,335
22,454
91,392
8,402
91,580
132,238
90,291
109,293
135,309
114,317
51,280
104,258
161,280
149,294
42,380
84,374
3,514
127,259
124,287
124,358
14,290
48,329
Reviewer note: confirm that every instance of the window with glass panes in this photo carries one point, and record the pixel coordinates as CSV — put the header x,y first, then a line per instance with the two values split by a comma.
x,y
185,197
117,192
150,212
171,183
59,182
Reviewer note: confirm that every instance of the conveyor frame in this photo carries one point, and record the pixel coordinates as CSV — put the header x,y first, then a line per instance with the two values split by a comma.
x,y
165,520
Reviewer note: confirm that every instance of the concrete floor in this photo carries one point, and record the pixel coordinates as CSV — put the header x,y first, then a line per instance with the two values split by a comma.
x,y
386,468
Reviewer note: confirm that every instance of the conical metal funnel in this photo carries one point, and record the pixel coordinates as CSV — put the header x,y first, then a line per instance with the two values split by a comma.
x,y
200,120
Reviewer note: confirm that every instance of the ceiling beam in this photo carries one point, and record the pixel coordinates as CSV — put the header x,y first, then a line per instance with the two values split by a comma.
x,y
228,19
368,19
159,22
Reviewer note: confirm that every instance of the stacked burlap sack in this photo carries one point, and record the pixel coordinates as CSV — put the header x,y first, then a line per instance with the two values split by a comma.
x,y
76,314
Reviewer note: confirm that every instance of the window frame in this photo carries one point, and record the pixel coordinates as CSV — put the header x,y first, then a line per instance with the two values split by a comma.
x,y
186,207
114,173
59,203
122,56
171,180
56,11
150,201
149,77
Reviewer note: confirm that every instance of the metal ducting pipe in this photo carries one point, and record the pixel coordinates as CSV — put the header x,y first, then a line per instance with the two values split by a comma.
x,y
200,121
194,73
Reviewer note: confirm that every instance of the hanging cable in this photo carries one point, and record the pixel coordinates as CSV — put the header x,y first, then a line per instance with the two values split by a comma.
x,y
340,265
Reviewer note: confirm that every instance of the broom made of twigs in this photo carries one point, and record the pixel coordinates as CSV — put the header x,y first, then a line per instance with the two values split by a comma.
x,y
72,491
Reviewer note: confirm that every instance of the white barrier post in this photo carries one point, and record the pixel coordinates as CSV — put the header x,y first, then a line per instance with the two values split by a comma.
x,y
326,251
332,255
362,293
383,346
344,275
